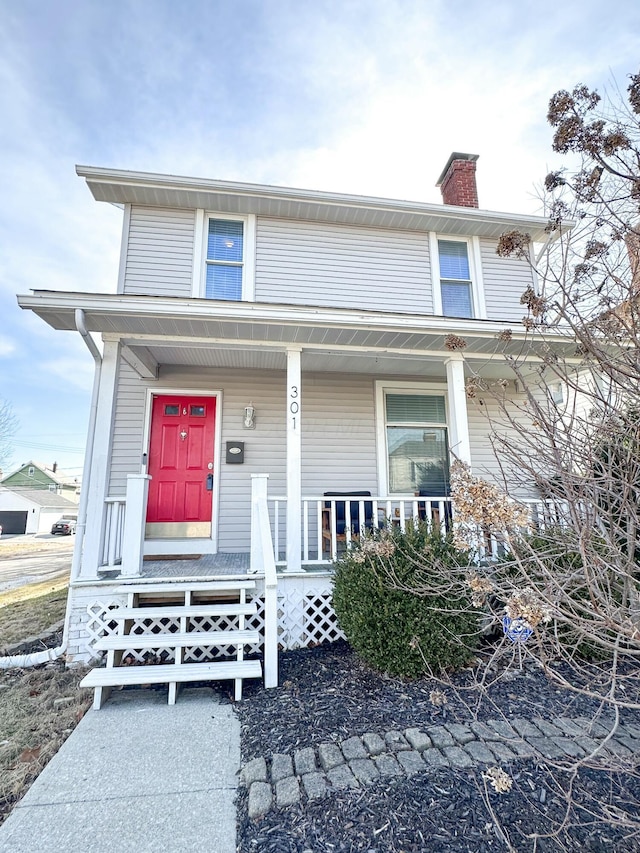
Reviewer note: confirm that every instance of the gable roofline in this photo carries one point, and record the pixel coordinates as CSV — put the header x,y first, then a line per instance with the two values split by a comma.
x,y
57,476
119,186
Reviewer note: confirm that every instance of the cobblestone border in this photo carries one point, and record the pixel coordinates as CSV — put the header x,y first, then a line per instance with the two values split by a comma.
x,y
313,773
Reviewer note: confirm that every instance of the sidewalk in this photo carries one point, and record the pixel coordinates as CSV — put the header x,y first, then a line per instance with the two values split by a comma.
x,y
136,776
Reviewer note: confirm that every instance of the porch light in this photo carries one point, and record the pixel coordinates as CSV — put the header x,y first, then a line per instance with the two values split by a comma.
x,y
249,421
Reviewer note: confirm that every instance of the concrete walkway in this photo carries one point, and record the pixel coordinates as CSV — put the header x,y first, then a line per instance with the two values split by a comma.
x,y
137,776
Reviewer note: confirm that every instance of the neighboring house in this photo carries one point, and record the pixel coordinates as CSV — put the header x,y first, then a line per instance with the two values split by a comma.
x,y
35,475
32,510
303,336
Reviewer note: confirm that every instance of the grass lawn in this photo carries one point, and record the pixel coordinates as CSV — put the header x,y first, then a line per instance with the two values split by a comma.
x,y
17,547
39,707
30,610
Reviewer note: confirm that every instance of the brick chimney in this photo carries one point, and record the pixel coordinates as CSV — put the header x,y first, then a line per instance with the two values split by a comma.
x,y
458,180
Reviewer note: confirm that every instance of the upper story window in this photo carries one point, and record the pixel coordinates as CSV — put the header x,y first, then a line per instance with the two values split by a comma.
x,y
455,279
225,259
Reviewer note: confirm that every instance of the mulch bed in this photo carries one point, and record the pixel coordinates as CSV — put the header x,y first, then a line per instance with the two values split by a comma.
x,y
326,694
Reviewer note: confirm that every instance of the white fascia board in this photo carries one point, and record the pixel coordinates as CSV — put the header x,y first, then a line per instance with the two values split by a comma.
x,y
167,308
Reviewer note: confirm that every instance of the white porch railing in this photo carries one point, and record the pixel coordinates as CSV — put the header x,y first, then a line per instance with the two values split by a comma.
x,y
322,537
123,532
330,523
325,532
114,512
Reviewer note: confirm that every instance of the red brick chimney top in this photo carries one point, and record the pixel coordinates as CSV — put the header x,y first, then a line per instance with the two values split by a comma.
x,y
458,180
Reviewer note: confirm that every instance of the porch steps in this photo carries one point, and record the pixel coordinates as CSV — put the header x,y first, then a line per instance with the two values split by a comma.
x,y
176,641
177,602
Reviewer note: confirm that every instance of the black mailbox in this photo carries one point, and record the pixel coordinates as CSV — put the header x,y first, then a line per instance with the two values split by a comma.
x,y
235,452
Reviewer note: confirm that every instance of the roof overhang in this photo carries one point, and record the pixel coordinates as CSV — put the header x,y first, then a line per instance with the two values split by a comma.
x,y
149,189
165,330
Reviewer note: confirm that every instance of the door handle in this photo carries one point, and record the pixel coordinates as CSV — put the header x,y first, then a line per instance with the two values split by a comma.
x,y
209,482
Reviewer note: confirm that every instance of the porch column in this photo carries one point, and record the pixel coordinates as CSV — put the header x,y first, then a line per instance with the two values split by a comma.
x,y
457,399
100,462
294,459
258,496
133,533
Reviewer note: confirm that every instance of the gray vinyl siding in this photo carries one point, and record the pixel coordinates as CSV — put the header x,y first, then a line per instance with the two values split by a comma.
x,y
505,280
128,429
338,436
160,250
312,263
342,266
485,418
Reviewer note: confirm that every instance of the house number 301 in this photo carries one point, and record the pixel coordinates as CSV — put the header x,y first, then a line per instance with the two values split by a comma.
x,y
294,405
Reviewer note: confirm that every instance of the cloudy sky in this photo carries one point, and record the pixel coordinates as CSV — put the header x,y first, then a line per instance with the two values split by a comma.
x,y
363,96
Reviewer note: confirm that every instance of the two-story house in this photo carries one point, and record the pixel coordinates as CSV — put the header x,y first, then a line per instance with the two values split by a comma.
x,y
269,353
37,476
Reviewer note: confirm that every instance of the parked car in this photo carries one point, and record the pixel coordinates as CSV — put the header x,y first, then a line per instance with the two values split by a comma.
x,y
65,526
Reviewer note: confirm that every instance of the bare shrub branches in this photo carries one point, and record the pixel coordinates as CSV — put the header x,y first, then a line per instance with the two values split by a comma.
x,y
8,427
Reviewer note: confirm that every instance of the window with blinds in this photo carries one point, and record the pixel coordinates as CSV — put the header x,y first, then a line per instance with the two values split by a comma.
x,y
455,278
225,259
417,444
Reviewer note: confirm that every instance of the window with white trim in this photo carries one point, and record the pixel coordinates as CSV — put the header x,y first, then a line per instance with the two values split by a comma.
x,y
455,278
417,444
556,391
225,261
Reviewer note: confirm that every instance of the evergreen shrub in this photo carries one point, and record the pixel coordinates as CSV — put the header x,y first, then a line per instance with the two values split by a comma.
x,y
404,631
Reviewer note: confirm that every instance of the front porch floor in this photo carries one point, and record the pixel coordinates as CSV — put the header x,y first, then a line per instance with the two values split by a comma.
x,y
202,566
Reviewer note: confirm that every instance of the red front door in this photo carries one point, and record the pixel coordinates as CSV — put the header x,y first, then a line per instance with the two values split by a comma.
x,y
181,466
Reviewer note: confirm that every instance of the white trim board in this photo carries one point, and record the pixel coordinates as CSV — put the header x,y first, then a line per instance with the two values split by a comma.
x,y
198,274
217,461
381,386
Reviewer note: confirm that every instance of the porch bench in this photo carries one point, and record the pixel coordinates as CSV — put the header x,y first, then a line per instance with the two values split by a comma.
x,y
103,679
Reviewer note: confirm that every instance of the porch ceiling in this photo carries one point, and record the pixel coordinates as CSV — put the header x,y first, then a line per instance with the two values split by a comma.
x,y
318,361
201,332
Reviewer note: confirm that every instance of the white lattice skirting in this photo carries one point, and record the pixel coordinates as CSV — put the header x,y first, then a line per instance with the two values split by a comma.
x,y
305,618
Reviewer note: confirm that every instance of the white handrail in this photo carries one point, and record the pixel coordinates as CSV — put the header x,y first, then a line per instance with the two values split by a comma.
x,y
263,560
